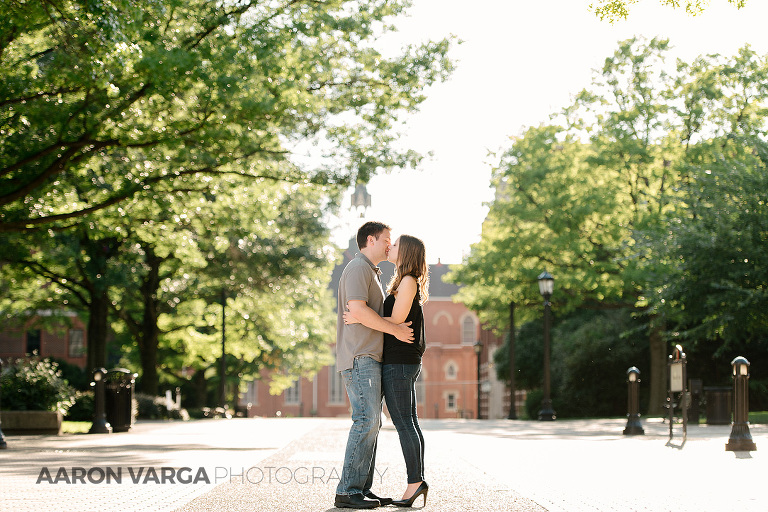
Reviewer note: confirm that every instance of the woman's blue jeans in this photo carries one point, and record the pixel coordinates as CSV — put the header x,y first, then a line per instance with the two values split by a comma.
x,y
399,381
363,384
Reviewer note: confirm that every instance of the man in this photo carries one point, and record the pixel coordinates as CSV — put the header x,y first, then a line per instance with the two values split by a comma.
x,y
358,357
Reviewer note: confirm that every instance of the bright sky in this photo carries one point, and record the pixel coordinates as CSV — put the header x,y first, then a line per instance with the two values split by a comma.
x,y
520,62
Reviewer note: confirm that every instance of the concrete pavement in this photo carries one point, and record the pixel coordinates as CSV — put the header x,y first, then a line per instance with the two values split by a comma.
x,y
293,464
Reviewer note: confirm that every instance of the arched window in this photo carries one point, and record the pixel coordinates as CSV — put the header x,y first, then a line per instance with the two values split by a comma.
x,y
468,330
451,370
442,314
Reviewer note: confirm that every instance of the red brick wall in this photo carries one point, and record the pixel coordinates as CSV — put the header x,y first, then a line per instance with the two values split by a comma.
x,y
54,342
445,348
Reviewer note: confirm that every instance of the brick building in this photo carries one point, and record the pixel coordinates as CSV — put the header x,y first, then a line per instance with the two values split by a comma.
x,y
65,339
448,384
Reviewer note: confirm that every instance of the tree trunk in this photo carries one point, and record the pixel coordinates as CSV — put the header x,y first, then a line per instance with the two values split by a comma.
x,y
200,386
95,271
150,332
148,355
98,329
658,374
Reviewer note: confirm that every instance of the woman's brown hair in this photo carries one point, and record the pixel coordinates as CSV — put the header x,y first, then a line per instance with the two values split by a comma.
x,y
413,262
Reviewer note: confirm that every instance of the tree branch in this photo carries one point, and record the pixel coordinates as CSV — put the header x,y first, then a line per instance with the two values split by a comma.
x,y
31,224
64,282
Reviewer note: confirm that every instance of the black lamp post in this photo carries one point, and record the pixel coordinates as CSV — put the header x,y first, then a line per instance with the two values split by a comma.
x,y
100,425
633,428
741,438
512,399
546,287
478,346
223,366
3,444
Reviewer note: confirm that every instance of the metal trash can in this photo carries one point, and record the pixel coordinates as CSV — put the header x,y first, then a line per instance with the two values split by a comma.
x,y
719,404
118,398
694,404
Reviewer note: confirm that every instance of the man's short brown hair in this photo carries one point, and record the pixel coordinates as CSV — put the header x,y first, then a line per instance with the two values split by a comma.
x,y
370,229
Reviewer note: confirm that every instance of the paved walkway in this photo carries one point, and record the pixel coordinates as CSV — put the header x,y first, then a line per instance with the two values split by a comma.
x,y
293,465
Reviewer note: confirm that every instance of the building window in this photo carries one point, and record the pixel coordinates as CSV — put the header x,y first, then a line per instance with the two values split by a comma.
x,y
33,341
450,402
293,394
251,396
468,330
335,386
450,371
76,343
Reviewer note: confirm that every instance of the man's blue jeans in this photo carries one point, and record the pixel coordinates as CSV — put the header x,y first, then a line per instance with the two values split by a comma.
x,y
363,383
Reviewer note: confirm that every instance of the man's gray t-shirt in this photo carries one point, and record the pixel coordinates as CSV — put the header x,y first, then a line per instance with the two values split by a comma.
x,y
359,281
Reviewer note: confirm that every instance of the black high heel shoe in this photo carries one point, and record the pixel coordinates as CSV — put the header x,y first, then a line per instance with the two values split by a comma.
x,y
423,489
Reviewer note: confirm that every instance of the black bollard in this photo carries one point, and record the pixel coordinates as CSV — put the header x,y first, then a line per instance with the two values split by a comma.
x,y
741,438
100,425
634,427
3,444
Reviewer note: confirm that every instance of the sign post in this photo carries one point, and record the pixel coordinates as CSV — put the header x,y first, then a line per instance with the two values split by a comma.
x,y
677,379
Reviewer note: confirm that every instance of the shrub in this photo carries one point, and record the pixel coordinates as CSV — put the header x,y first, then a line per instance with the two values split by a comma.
x,y
148,408
591,351
75,376
533,403
34,384
153,408
83,408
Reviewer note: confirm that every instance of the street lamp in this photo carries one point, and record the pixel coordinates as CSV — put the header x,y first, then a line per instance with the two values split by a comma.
x,y
223,366
634,427
546,287
100,425
3,444
478,346
361,199
512,399
741,438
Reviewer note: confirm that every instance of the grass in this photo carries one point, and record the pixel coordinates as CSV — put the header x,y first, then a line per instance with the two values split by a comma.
x,y
758,417
75,427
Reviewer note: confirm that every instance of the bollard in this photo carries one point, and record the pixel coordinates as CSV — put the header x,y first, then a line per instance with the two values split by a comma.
x,y
3,444
633,428
741,439
100,425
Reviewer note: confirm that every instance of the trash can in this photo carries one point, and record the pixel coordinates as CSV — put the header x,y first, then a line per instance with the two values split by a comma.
x,y
719,405
696,387
118,398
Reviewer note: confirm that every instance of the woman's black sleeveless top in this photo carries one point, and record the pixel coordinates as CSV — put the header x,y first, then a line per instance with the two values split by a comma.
x,y
396,351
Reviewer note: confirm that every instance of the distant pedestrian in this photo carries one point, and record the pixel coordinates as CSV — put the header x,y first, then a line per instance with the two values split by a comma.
x,y
408,291
359,349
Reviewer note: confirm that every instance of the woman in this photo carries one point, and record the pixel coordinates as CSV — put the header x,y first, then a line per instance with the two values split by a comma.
x,y
407,292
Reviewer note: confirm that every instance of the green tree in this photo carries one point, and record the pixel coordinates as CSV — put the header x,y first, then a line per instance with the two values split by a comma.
x,y
586,200
104,101
714,290
270,262
615,10
108,106
591,352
